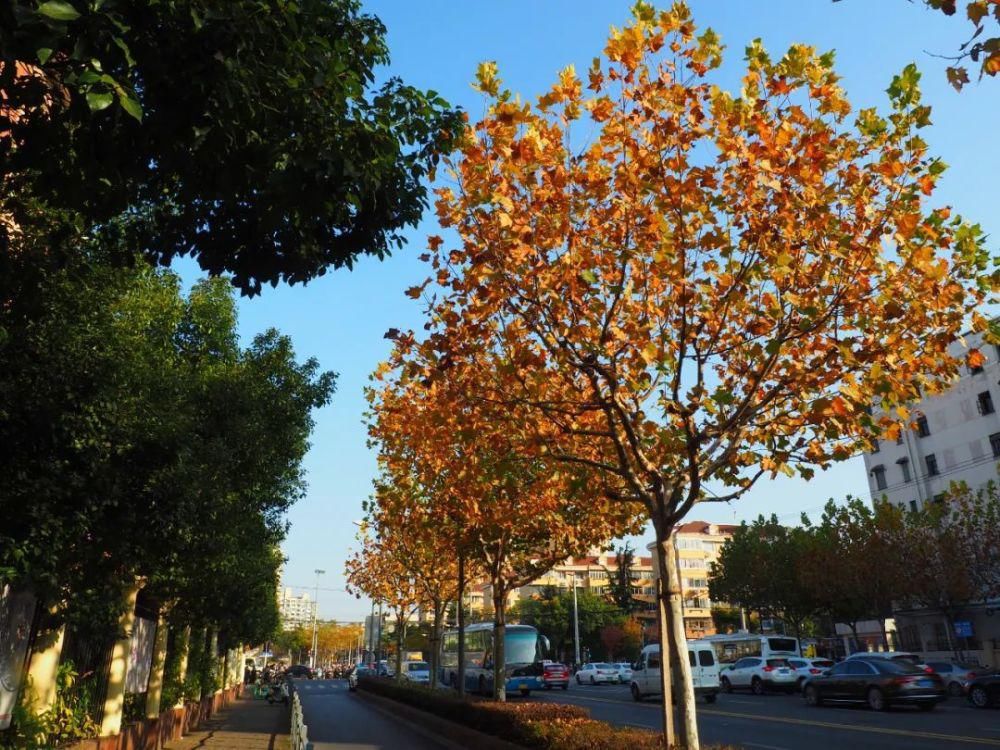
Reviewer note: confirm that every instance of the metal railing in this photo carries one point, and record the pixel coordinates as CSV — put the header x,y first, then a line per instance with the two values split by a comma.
x,y
299,732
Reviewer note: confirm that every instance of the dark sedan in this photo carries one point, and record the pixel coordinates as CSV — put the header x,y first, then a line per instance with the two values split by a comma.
x,y
984,692
880,683
299,670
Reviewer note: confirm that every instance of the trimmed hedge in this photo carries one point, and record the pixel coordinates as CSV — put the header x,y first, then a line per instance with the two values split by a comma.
x,y
509,721
546,726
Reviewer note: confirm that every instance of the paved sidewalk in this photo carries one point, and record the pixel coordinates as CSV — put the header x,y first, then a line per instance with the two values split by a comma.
x,y
246,725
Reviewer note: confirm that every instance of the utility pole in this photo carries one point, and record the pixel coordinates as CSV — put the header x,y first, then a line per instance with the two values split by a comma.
x,y
315,639
576,625
378,644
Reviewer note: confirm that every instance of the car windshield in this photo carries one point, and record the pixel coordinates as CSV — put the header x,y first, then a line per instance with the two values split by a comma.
x,y
622,665
905,658
419,666
602,665
822,663
777,662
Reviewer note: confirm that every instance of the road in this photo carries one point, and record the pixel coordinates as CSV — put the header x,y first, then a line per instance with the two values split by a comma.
x,y
338,719
784,722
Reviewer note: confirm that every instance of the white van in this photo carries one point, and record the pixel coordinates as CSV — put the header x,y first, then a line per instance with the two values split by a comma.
x,y
704,671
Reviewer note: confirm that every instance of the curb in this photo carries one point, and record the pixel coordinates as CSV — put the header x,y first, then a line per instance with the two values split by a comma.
x,y
449,734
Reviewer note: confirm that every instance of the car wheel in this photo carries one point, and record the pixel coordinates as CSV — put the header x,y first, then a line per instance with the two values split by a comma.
x,y
725,685
636,695
592,680
928,706
955,689
876,701
979,697
798,685
710,698
482,685
757,686
811,696
454,681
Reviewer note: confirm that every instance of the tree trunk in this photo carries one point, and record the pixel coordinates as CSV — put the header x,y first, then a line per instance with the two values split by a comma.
x,y
666,687
499,632
461,624
688,721
856,642
400,625
436,641
885,635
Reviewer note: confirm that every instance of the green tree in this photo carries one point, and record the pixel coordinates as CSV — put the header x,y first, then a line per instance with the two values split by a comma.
x,y
256,140
620,579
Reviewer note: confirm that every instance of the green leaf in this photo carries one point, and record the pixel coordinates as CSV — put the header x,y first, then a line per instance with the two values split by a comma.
x,y
98,100
44,53
58,11
589,276
131,105
722,397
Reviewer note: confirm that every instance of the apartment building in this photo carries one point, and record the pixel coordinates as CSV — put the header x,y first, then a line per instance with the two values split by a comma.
x,y
957,439
296,611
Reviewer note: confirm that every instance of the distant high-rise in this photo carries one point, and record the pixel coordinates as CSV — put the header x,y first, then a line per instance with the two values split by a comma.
x,y
296,611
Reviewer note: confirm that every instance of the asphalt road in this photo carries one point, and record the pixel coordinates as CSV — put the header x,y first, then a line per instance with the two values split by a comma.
x,y
784,722
338,719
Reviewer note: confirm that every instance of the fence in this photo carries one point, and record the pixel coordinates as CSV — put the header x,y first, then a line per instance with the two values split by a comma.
x,y
300,732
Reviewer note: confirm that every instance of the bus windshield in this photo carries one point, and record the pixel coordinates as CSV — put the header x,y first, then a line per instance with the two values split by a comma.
x,y
782,644
521,647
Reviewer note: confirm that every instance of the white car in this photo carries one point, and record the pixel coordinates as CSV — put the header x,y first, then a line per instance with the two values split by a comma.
x,y
759,675
624,672
806,668
596,672
416,671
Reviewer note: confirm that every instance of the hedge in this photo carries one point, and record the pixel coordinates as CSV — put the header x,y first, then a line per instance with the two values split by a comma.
x,y
546,726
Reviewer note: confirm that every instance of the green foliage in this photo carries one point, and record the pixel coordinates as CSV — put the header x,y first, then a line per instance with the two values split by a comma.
x,y
69,719
552,613
256,140
620,580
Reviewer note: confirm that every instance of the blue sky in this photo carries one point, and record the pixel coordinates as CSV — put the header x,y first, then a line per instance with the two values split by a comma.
x,y
341,318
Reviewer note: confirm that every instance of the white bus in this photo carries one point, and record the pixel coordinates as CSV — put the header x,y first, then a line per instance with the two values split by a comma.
x,y
732,646
524,650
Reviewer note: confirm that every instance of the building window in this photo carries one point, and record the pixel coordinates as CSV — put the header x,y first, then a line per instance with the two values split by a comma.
x,y
875,446
913,506
879,471
985,403
904,466
939,498
923,429
932,467
995,444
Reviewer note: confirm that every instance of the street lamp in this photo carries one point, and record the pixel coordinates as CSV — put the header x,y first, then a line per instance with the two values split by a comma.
x,y
576,625
315,640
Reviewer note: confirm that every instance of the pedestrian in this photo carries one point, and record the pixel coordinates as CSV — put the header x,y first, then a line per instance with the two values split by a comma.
x,y
253,674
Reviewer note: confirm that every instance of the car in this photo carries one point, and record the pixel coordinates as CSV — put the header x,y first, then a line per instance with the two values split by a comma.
x,y
806,668
385,669
958,675
555,674
596,672
416,671
646,675
877,682
898,656
624,672
299,670
363,671
759,675
984,691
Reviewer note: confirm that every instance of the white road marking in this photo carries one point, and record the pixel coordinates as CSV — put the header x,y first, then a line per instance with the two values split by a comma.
x,y
766,747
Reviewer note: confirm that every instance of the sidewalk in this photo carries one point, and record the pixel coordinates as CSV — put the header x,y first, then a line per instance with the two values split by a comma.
x,y
246,725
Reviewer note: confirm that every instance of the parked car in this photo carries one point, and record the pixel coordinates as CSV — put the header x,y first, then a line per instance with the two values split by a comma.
x,y
984,691
958,675
624,672
416,671
877,681
363,671
704,671
759,675
596,672
555,675
806,668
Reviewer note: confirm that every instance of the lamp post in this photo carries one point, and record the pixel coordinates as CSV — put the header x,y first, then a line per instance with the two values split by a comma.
x,y
315,639
576,625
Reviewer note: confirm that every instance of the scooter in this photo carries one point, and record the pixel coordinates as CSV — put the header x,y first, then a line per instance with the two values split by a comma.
x,y
352,681
278,692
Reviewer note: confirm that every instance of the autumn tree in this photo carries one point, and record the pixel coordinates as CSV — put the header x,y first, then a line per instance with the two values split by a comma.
x,y
712,288
982,50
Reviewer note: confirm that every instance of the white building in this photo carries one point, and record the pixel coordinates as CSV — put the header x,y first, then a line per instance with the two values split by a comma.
x,y
957,440
296,611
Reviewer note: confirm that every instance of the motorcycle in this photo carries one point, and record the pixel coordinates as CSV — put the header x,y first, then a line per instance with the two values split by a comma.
x,y
278,692
352,681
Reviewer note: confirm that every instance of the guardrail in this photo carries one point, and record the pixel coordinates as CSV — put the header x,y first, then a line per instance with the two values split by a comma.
x,y
300,732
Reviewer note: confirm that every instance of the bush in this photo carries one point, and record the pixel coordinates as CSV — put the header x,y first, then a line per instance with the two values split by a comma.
x,y
510,721
546,726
